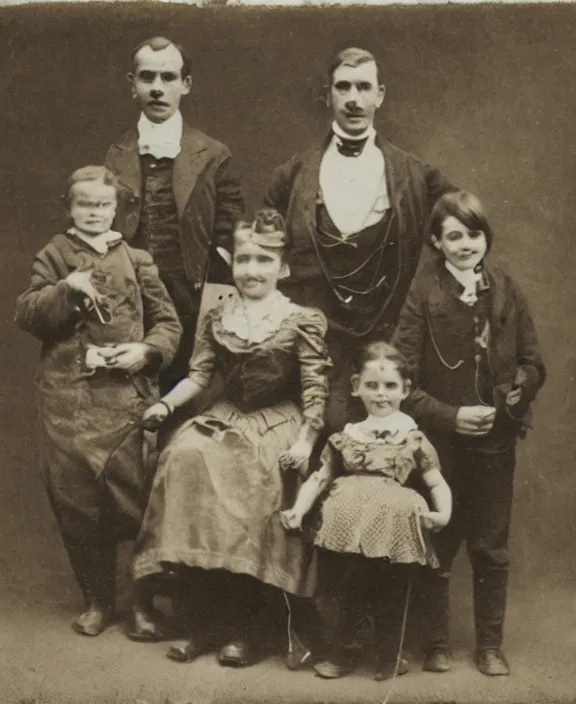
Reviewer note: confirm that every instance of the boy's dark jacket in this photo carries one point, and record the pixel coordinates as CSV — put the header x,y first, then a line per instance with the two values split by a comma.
x,y
514,352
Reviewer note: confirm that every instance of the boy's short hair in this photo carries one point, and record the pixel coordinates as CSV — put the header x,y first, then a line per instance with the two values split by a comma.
x,y
92,173
466,208
158,44
353,56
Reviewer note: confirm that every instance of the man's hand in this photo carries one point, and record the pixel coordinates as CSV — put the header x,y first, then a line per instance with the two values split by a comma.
x,y
129,356
475,420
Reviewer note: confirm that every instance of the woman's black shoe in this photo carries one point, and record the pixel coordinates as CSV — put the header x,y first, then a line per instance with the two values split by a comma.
x,y
238,653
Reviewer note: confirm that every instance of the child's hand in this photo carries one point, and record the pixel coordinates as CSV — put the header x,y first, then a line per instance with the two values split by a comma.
x,y
475,420
129,356
514,396
434,521
154,416
297,457
81,282
291,520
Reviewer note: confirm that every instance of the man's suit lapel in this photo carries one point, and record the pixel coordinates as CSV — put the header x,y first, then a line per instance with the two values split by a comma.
x,y
124,160
188,165
310,186
395,177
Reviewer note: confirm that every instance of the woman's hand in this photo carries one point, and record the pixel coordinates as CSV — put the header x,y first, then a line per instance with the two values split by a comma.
x,y
475,420
434,520
297,457
291,519
155,415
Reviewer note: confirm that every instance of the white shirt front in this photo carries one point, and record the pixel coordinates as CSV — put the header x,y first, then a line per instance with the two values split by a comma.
x,y
354,189
162,139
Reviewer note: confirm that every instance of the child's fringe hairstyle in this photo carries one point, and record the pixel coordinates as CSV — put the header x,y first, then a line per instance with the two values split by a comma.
x,y
380,352
101,174
466,208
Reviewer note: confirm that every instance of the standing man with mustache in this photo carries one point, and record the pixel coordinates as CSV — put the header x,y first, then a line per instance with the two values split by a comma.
x,y
356,209
180,197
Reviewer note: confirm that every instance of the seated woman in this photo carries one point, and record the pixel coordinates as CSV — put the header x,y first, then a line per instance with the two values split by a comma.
x,y
225,475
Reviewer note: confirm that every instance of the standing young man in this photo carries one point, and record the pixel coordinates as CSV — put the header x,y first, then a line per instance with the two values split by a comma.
x,y
180,196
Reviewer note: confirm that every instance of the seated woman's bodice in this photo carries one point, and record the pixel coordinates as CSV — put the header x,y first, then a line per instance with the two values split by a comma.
x,y
259,377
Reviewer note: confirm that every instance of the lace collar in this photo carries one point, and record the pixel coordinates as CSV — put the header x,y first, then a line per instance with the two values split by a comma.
x,y
256,323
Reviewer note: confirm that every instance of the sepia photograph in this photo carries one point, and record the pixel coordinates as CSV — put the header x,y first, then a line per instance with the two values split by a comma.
x,y
287,348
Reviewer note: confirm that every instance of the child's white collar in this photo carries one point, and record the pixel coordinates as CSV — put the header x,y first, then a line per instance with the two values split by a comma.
x,y
99,243
469,279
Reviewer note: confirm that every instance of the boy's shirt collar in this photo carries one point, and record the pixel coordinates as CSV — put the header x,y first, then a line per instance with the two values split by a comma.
x,y
471,282
160,140
99,243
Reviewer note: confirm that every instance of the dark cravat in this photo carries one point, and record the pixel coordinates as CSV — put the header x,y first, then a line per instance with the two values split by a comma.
x,y
350,147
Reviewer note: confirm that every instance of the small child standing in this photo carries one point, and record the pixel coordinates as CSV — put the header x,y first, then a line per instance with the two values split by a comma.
x,y
107,327
371,522
470,342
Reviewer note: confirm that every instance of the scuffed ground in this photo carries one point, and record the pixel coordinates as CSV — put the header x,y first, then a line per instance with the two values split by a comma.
x,y
44,662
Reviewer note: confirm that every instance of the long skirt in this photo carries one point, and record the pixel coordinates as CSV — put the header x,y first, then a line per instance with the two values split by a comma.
x,y
216,498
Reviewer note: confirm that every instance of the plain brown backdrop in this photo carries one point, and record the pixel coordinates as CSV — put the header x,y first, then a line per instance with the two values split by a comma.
x,y
485,93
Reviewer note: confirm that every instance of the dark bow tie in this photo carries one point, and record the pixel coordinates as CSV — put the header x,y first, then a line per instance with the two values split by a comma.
x,y
350,147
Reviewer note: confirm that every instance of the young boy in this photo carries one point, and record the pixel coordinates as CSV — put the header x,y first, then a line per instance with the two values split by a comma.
x,y
469,338
108,327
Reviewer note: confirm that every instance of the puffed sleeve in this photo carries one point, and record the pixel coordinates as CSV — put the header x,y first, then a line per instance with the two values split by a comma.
x,y
314,365
203,360
330,461
48,307
425,454
162,328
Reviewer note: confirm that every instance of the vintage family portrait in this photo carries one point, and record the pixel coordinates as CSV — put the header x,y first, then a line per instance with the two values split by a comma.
x,y
287,350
